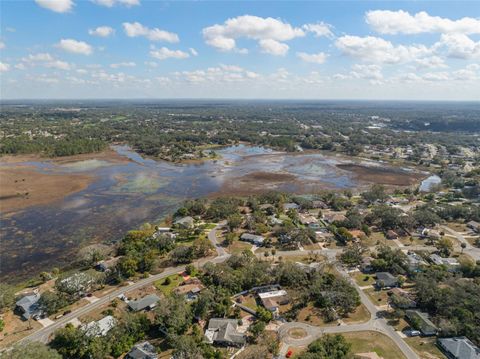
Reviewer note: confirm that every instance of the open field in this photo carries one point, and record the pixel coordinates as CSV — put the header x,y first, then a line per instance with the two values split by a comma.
x,y
368,341
24,187
425,348
382,175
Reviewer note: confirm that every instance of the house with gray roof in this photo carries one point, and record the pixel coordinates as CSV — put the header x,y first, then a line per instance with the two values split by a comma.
x,y
415,261
224,332
143,350
184,222
459,348
421,321
386,280
474,226
252,238
29,307
146,303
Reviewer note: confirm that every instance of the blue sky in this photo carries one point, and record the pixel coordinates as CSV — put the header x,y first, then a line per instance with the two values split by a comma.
x,y
316,50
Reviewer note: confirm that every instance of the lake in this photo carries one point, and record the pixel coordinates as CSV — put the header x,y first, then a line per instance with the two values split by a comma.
x,y
125,195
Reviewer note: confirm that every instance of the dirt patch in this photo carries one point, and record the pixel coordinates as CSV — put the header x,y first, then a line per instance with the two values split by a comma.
x,y
260,182
23,187
107,155
382,175
297,333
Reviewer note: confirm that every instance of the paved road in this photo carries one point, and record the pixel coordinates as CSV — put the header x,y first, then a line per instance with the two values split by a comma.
x,y
472,251
376,323
43,335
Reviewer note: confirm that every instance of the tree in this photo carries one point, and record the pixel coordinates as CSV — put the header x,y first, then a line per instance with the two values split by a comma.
x,y
376,193
234,221
182,255
230,237
329,347
444,246
174,315
52,302
201,247
463,245
352,255
186,348
7,296
35,350
256,329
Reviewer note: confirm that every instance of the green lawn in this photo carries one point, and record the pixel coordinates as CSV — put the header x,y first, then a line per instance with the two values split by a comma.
x,y
378,297
363,279
368,341
425,347
166,289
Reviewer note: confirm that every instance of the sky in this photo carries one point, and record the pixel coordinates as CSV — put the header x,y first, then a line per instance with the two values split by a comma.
x,y
128,49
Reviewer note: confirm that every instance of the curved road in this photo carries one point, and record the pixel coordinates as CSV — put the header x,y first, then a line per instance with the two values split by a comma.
x,y
43,334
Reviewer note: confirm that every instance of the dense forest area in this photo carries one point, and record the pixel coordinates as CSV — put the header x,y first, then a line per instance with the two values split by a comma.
x,y
183,130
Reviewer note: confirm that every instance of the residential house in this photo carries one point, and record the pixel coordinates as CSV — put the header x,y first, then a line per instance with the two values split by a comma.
x,y
99,328
334,217
366,265
459,348
319,204
421,321
107,265
28,307
391,234
78,284
402,299
415,262
290,205
450,263
146,303
224,332
190,291
272,300
185,222
252,238
306,218
143,350
474,226
385,280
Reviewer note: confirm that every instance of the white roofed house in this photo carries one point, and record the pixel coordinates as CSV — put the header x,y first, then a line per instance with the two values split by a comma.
x,y
99,328
252,238
185,222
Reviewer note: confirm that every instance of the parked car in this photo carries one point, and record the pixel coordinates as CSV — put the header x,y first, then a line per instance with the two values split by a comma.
x,y
412,333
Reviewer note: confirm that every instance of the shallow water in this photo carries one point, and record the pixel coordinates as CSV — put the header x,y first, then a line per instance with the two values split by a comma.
x,y
125,195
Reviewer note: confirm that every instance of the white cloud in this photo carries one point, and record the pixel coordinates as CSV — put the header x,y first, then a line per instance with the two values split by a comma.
x,y
368,72
152,64
313,58
43,56
123,64
273,47
4,67
136,29
319,30
459,46
165,53
402,22
60,6
218,74
2,45
193,51
58,64
111,3
269,32
430,62
74,46
102,31
375,49
20,66
436,76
